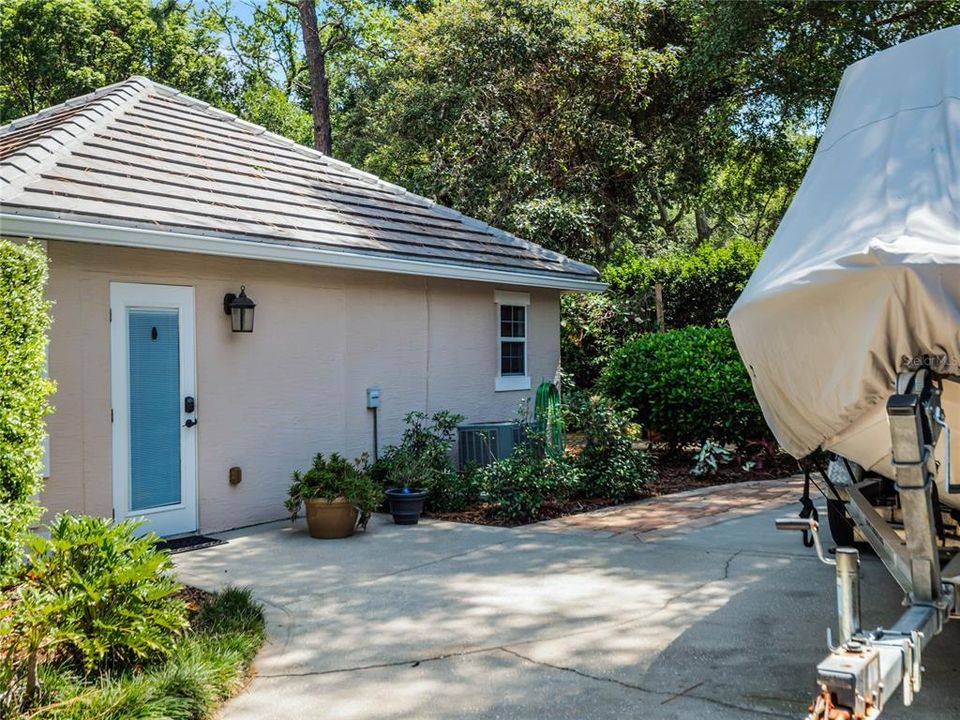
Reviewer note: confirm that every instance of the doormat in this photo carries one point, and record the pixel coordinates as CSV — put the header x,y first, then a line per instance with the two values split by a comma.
x,y
188,543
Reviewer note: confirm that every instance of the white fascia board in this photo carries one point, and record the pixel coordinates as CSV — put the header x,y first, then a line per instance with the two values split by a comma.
x,y
71,230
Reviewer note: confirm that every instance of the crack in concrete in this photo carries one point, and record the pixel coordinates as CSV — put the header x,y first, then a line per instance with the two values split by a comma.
x,y
562,668
649,691
486,649
726,566
378,666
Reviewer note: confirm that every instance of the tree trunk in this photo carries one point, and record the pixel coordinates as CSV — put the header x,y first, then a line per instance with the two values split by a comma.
x,y
704,231
31,688
319,88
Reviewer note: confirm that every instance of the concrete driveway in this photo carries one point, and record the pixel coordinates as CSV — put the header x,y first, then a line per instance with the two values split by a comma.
x,y
718,617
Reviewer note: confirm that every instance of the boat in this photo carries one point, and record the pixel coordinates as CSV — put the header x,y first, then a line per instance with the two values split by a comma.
x,y
850,331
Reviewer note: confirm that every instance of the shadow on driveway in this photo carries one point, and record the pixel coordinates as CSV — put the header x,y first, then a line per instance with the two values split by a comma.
x,y
445,620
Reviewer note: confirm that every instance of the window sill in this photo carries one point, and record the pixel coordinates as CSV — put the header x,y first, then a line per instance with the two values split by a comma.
x,y
506,383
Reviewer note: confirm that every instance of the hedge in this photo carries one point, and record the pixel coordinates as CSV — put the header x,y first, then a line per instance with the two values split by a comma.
x,y
23,392
698,288
687,385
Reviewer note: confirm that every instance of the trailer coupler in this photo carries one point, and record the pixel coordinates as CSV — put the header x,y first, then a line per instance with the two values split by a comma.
x,y
864,670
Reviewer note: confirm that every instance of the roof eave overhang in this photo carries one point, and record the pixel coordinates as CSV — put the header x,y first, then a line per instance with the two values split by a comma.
x,y
49,228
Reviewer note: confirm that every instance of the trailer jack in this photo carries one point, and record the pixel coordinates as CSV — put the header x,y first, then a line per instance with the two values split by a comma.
x,y
865,668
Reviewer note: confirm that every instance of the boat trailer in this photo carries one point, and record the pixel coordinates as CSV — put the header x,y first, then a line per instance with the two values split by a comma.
x,y
865,667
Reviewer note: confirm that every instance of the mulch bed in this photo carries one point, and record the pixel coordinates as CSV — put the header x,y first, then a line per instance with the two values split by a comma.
x,y
194,597
673,473
489,513
673,476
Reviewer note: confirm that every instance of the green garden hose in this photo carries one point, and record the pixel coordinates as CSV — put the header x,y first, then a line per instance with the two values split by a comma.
x,y
548,413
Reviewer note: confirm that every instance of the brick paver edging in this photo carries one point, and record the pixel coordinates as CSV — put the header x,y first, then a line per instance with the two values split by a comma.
x,y
691,509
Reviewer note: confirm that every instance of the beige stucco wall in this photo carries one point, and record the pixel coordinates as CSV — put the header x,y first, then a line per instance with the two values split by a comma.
x,y
297,385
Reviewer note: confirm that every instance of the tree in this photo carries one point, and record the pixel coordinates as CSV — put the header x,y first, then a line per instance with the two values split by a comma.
x,y
540,117
319,85
614,127
268,70
57,49
771,70
320,40
289,64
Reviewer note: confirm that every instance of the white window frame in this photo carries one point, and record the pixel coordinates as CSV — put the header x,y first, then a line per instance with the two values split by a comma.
x,y
508,383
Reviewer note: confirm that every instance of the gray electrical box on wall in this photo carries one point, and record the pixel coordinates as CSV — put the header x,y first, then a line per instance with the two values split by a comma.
x,y
373,397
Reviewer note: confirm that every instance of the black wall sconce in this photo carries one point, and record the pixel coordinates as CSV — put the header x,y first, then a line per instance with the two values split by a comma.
x,y
240,309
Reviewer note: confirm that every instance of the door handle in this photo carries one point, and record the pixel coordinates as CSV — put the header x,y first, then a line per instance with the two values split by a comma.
x,y
190,423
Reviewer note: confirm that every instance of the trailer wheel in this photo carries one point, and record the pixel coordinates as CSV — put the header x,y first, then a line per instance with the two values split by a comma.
x,y
841,524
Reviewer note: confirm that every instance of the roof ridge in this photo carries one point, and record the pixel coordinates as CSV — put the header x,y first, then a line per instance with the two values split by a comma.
x,y
21,122
99,107
451,213
36,143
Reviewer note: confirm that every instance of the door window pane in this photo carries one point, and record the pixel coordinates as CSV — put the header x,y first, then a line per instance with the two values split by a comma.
x,y
154,347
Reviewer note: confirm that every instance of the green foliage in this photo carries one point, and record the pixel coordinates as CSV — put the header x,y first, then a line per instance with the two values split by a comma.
x,y
611,465
710,457
333,478
782,61
522,483
535,116
687,385
24,391
233,610
93,594
594,126
597,127
208,665
424,461
698,288
54,50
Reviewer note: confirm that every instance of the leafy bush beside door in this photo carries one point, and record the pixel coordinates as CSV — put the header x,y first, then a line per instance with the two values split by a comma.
x,y
93,595
24,320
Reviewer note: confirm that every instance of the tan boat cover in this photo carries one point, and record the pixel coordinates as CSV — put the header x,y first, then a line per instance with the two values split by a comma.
x,y
863,273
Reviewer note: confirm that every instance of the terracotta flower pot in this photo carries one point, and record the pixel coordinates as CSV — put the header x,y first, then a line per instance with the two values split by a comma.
x,y
330,518
406,505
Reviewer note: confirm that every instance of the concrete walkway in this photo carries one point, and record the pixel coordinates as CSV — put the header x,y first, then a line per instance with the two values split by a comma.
x,y
721,617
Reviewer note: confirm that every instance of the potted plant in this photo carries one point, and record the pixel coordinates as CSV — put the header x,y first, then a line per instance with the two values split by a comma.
x,y
406,500
336,493
421,459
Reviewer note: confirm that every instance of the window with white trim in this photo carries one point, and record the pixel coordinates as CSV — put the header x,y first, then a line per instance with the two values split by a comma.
x,y
512,311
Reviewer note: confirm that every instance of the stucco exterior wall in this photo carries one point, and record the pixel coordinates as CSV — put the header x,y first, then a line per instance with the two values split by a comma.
x,y
269,400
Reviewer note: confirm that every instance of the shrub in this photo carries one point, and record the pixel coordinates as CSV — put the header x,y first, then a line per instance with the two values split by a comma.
x,y
333,478
93,593
698,288
423,460
687,385
208,665
522,483
610,464
709,458
23,394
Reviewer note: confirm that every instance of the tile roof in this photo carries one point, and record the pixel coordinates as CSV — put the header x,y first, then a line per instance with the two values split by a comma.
x,y
140,155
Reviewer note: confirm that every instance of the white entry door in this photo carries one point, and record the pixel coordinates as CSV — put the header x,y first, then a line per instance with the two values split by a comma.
x,y
153,379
